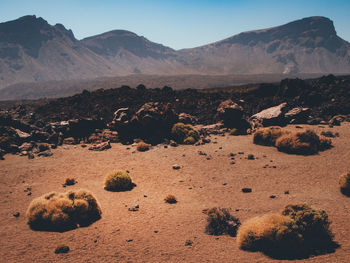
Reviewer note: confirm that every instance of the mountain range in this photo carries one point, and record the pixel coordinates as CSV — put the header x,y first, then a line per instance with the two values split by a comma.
x,y
31,50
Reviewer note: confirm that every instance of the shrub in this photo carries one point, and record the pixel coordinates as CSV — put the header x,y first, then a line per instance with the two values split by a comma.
x,y
142,146
184,133
61,249
118,181
344,182
268,136
305,142
63,211
171,199
266,232
298,231
220,221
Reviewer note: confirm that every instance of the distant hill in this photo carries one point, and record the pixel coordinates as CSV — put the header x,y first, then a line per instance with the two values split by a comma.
x,y
31,50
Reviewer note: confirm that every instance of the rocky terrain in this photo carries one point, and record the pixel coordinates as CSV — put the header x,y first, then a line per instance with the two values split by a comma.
x,y
124,114
31,50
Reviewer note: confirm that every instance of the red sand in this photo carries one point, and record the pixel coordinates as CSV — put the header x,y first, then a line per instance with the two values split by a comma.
x,y
158,231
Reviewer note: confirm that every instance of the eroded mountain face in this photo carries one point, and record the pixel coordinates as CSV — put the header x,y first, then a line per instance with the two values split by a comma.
x,y
31,50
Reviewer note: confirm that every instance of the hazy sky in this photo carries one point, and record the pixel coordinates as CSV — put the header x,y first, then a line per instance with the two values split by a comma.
x,y
177,23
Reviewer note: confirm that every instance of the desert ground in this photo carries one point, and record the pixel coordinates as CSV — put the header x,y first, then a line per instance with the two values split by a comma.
x,y
158,231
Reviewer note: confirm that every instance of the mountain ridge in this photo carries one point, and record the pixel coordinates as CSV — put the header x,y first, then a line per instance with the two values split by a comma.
x,y
31,50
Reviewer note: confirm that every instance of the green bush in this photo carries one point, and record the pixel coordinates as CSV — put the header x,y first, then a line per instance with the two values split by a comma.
x,y
184,133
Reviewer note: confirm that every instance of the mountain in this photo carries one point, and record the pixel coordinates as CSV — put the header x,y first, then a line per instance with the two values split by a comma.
x,y
31,50
309,45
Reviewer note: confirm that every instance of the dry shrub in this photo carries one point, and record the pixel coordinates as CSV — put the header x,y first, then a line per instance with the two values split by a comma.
x,y
268,136
63,211
220,221
298,232
268,231
171,199
184,133
303,142
344,183
142,146
118,181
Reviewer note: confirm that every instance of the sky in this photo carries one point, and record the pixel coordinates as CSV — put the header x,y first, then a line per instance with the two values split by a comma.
x,y
177,23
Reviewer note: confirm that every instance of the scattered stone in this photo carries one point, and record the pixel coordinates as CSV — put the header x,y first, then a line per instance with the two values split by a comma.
x,y
46,153
176,167
188,243
156,231
286,192
100,147
251,157
246,190
30,155
134,208
272,196
61,249
129,240
240,152
83,146
232,162
173,143
201,153
17,214
224,184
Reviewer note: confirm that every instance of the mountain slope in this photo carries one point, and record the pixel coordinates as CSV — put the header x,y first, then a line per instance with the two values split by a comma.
x,y
31,50
309,45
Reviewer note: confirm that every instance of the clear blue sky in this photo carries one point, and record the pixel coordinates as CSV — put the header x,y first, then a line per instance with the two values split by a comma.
x,y
177,23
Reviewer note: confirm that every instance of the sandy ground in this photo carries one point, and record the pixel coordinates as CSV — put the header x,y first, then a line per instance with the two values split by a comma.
x,y
158,231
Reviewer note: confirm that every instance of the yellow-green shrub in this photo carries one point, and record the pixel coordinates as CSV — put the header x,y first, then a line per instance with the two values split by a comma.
x,y
184,133
299,230
118,181
63,211
268,136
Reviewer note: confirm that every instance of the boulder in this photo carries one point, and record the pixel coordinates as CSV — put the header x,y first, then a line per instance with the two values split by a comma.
x,y
273,116
100,147
297,115
230,113
217,128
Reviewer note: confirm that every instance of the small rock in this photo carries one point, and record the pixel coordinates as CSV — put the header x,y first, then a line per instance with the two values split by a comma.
x,y
240,152
83,146
286,192
173,143
176,167
17,214
134,208
45,153
129,240
251,157
232,162
188,243
156,231
224,184
61,249
246,190
201,153
272,196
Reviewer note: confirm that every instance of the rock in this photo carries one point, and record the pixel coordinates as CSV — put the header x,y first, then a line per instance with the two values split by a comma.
x,y
229,112
39,136
217,128
17,214
173,143
70,141
26,146
187,118
30,155
46,153
176,167
246,190
338,119
297,115
134,208
100,147
273,116
22,135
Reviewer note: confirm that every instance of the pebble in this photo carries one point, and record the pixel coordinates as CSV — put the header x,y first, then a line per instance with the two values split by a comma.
x,y
17,214
176,167
246,190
